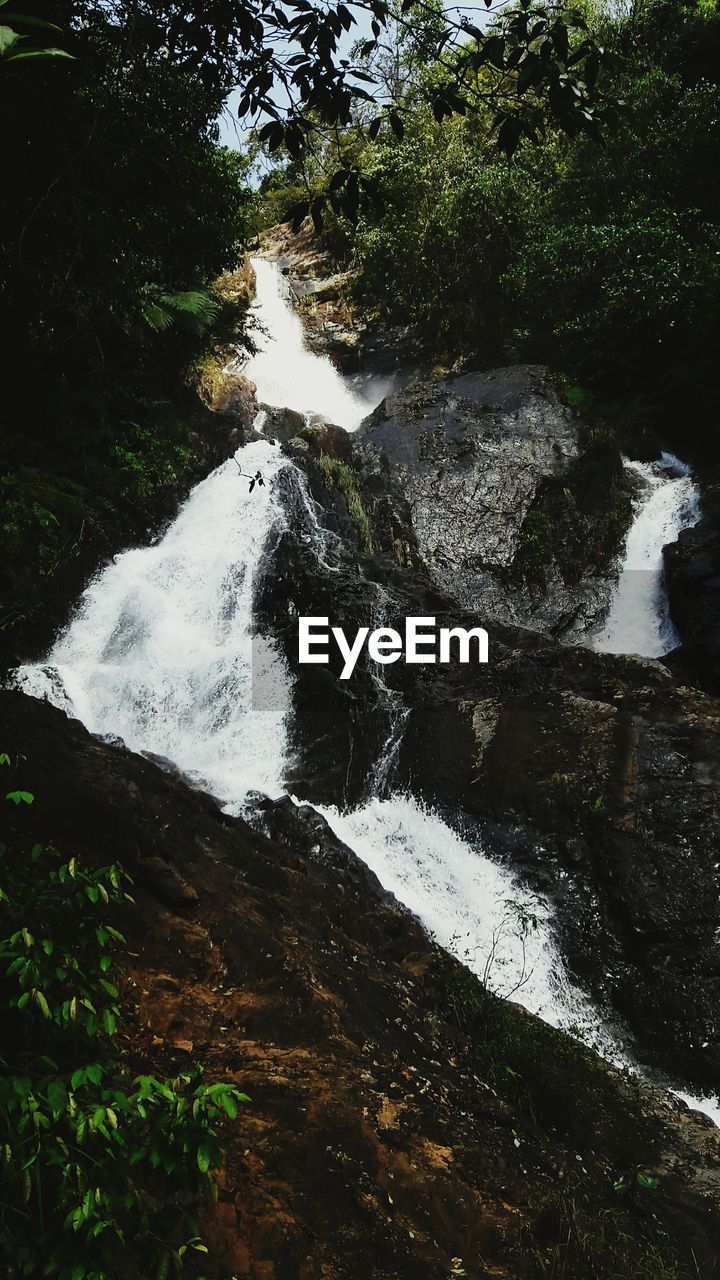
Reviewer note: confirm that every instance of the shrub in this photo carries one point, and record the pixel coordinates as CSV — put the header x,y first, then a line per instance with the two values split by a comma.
x,y
101,1168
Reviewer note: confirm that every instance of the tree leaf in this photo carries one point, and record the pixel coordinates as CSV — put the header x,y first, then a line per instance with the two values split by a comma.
x,y
42,1004
20,797
41,53
316,214
29,20
8,38
57,1098
509,135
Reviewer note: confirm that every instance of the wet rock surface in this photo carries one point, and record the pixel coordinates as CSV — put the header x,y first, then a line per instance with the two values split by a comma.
x,y
470,455
608,773
335,324
403,1125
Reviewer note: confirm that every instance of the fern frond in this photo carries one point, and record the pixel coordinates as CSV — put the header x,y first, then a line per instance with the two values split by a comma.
x,y
192,309
156,317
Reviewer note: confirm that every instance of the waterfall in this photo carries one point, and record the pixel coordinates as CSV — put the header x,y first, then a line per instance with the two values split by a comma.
x,y
473,908
285,372
164,653
639,618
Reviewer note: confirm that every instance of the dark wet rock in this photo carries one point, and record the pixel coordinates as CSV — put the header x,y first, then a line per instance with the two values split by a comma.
x,y
379,505
692,569
612,771
334,442
339,726
171,888
281,424
302,828
470,455
234,395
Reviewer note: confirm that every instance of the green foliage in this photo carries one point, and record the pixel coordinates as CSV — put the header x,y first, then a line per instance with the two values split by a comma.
x,y
338,475
16,44
604,262
450,230
147,209
193,310
20,797
535,63
637,1177
93,487
102,1168
627,268
277,198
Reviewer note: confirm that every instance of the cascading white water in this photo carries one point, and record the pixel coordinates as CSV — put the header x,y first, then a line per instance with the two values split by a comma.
x,y
285,372
472,907
163,653
162,650
639,618
480,912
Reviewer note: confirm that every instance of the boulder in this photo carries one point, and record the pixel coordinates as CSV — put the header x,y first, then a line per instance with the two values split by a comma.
x,y
470,455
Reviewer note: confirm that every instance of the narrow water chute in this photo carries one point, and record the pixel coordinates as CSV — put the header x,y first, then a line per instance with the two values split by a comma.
x,y
639,618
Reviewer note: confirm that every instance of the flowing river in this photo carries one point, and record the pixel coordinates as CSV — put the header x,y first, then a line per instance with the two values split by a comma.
x,y
163,653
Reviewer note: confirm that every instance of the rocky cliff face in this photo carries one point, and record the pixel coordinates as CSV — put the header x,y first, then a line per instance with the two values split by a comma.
x,y
402,1123
515,506
601,779
486,480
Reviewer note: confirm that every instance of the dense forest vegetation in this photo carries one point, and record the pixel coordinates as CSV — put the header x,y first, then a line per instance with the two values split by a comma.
x,y
602,260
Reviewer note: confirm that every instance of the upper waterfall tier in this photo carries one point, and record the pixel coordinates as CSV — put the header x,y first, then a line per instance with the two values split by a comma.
x,y
285,372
